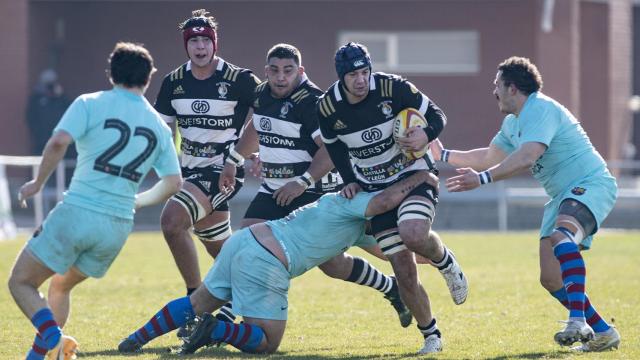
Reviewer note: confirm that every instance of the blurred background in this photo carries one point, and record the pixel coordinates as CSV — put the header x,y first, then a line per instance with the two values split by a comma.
x,y
588,52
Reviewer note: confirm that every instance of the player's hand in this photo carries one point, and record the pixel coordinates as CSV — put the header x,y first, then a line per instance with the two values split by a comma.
x,y
256,166
432,179
436,149
414,139
467,180
28,190
227,180
350,190
288,192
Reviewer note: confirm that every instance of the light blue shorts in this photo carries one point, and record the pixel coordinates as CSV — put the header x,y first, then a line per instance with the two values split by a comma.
x,y
255,280
75,236
366,241
598,193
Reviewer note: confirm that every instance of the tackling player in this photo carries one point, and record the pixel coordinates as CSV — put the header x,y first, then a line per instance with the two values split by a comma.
x,y
356,119
255,267
541,135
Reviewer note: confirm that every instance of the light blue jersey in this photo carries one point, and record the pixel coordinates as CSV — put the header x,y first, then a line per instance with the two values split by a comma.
x,y
569,157
119,138
324,229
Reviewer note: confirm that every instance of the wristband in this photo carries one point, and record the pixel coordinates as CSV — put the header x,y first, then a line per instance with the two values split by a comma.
x,y
235,158
485,177
305,180
444,156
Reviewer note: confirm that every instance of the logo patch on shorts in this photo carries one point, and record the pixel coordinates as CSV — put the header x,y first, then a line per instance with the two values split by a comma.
x,y
578,190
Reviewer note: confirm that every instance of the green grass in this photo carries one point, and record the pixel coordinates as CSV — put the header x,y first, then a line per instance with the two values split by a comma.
x,y
507,315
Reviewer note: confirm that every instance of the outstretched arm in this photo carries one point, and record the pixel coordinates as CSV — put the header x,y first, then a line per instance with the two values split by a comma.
x,y
53,152
396,193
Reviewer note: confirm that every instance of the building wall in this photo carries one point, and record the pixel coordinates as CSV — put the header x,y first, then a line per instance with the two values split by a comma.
x,y
249,28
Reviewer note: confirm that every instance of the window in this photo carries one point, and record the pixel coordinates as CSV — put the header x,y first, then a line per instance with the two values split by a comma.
x,y
420,52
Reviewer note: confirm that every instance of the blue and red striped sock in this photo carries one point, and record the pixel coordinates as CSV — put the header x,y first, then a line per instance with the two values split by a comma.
x,y
172,316
38,349
246,337
594,320
573,273
47,327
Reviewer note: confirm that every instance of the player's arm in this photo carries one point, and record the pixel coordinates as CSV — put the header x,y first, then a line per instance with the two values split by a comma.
x,y
166,187
478,159
392,196
53,152
518,161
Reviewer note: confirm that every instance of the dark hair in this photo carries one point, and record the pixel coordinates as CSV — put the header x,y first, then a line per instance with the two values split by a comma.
x,y
199,18
522,73
285,51
131,65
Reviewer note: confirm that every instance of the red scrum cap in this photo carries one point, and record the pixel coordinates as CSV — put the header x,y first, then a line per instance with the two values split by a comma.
x,y
199,26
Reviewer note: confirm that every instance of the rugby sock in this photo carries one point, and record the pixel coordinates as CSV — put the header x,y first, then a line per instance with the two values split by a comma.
x,y
226,313
573,273
366,274
430,329
172,316
246,337
47,327
446,260
594,320
38,349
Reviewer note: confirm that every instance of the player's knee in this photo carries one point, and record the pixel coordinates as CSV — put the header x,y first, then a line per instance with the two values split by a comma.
x,y
414,233
173,225
550,283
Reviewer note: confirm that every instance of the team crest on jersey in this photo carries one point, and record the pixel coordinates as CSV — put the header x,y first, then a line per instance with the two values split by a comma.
x,y
178,90
371,135
222,89
284,110
339,125
265,124
578,190
200,106
386,109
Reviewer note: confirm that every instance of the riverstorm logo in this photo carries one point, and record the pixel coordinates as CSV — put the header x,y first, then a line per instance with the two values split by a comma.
x,y
265,124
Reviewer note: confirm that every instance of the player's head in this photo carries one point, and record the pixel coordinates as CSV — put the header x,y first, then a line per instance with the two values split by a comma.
x,y
130,65
284,69
200,36
516,75
353,66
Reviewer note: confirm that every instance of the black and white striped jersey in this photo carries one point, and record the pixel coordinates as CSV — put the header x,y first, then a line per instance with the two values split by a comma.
x,y
209,113
359,137
286,130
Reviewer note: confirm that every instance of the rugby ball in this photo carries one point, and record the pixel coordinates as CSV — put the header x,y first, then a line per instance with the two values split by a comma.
x,y
405,119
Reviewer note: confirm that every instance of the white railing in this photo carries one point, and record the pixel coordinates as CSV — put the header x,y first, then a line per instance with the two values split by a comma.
x,y
34,163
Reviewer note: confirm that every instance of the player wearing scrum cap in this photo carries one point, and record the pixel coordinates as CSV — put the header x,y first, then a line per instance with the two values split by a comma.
x,y
356,120
209,100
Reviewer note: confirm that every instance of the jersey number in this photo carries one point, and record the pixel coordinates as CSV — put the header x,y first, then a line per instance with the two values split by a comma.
x,y
128,172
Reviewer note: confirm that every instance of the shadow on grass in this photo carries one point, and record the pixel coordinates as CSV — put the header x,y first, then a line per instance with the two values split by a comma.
x,y
534,355
222,352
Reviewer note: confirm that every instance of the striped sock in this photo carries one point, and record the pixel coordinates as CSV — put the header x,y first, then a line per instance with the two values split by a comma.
x,y
172,316
226,313
594,320
430,329
573,273
38,349
446,260
246,337
366,274
47,327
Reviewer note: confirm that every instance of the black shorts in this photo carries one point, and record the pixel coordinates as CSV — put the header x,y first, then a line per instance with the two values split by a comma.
x,y
389,220
206,179
264,206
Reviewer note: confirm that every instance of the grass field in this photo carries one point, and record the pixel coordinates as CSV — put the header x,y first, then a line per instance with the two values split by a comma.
x,y
507,315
